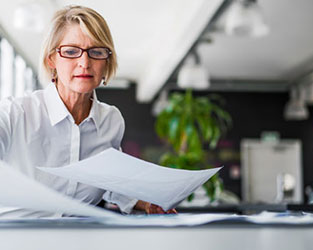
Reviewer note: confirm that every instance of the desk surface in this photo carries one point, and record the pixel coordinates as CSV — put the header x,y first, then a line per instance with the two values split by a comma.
x,y
219,235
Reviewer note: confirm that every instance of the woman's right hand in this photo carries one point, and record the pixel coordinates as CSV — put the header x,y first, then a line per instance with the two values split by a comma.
x,y
150,208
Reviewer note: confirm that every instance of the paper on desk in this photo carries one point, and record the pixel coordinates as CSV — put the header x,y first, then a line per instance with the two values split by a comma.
x,y
118,172
287,217
17,190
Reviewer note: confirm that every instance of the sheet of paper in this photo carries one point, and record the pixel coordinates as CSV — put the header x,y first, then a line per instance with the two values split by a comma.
x,y
17,190
118,172
290,218
166,220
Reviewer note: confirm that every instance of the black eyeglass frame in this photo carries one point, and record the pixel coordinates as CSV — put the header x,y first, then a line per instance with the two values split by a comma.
x,y
82,51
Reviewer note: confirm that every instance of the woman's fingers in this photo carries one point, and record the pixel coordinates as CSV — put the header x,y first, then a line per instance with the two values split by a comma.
x,y
155,209
171,211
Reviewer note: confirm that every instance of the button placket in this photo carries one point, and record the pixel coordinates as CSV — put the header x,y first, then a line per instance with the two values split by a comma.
x,y
75,146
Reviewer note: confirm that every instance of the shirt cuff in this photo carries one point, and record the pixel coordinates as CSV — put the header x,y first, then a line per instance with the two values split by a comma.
x,y
125,203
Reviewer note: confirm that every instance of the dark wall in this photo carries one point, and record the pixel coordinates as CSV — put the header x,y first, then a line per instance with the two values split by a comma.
x,y
252,113
138,118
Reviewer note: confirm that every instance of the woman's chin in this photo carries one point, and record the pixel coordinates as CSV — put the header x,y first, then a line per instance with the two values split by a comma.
x,y
84,88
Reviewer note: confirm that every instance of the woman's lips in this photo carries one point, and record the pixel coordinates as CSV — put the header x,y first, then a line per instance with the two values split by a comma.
x,y
84,76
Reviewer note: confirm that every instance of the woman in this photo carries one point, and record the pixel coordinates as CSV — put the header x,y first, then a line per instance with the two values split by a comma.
x,y
65,122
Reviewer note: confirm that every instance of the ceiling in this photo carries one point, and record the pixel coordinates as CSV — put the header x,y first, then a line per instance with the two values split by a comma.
x,y
152,38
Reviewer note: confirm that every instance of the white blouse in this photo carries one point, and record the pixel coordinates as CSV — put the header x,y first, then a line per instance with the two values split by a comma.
x,y
38,130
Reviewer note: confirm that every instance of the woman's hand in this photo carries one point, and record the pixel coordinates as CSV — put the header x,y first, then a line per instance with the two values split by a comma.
x,y
152,208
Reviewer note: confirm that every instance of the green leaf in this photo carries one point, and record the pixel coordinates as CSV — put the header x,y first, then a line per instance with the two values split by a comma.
x,y
194,143
190,197
173,128
215,138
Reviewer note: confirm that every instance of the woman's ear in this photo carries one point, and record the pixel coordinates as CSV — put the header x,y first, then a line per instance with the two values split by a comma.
x,y
50,61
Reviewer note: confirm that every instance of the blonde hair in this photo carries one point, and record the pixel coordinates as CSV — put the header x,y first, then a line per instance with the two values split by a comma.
x,y
91,22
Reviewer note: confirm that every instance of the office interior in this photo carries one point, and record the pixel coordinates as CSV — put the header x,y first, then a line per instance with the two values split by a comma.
x,y
257,55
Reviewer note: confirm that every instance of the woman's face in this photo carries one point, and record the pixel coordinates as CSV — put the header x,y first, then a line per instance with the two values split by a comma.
x,y
80,75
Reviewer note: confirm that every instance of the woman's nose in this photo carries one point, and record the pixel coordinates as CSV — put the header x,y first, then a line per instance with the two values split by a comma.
x,y
84,60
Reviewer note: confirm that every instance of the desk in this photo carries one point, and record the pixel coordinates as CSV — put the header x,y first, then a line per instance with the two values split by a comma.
x,y
222,236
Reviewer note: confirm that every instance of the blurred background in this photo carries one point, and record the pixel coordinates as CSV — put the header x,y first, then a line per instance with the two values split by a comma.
x,y
257,56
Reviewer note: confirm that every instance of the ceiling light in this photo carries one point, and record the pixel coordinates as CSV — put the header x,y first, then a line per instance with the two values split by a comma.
x,y
245,18
295,108
193,75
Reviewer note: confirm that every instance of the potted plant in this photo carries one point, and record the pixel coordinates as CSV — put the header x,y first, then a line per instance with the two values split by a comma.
x,y
192,125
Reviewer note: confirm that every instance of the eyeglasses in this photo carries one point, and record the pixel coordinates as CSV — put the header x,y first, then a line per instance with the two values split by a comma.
x,y
98,53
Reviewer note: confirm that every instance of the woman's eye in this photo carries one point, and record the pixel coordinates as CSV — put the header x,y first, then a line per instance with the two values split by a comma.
x,y
96,52
70,52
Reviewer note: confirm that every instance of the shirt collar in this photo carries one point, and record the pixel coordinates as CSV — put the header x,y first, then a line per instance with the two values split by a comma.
x,y
55,106
57,110
95,113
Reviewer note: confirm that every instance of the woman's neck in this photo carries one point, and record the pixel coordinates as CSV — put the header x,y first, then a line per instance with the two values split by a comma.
x,y
78,104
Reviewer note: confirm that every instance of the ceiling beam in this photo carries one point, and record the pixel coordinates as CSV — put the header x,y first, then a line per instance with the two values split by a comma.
x,y
172,54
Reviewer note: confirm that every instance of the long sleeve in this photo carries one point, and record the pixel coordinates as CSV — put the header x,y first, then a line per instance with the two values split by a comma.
x,y
125,203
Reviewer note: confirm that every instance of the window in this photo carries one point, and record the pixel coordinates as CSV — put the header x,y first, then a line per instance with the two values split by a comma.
x,y
16,77
7,57
20,68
